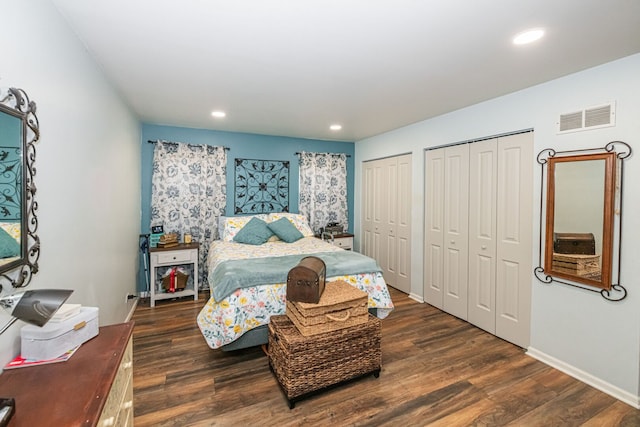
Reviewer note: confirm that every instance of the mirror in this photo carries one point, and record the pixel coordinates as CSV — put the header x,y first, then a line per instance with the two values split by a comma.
x,y
19,244
579,224
580,205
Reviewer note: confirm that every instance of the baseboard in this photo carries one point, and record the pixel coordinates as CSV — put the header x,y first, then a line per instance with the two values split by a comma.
x,y
586,378
132,310
416,297
143,294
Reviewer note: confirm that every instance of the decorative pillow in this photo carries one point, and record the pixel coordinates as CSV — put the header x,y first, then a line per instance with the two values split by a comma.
x,y
12,228
255,232
231,225
8,245
285,230
298,220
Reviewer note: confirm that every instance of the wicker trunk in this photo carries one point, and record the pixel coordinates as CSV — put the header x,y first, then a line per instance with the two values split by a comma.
x,y
304,365
587,266
340,306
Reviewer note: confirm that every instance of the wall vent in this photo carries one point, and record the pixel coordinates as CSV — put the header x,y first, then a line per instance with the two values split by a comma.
x,y
590,118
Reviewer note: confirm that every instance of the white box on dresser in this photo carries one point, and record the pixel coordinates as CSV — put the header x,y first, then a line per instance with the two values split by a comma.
x,y
55,339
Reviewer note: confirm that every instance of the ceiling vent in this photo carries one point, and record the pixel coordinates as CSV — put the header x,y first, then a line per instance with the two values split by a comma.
x,y
590,118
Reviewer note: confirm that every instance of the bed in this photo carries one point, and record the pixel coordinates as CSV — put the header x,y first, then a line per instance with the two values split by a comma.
x,y
248,281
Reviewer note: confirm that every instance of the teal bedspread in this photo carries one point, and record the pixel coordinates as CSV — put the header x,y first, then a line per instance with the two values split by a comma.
x,y
233,274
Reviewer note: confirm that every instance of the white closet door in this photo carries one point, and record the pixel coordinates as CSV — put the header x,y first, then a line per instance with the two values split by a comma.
x,y
389,260
377,190
434,227
514,233
403,224
367,209
456,226
386,218
483,166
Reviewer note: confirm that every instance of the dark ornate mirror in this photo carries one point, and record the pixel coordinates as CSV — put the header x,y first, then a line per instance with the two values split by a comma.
x,y
19,244
581,233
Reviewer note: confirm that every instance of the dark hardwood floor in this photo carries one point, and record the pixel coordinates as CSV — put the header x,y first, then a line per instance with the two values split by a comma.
x,y
437,370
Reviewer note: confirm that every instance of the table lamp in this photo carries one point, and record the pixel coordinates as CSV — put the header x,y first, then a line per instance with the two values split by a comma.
x,y
35,306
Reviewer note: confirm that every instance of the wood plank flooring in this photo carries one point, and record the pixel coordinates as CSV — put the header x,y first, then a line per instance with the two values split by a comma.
x,y
437,371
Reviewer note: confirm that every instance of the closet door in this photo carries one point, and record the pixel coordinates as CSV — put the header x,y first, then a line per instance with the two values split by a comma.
x,y
483,167
403,224
434,227
456,226
366,246
514,238
389,256
386,218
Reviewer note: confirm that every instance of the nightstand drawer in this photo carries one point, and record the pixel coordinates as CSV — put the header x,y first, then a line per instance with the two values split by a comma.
x,y
344,242
174,257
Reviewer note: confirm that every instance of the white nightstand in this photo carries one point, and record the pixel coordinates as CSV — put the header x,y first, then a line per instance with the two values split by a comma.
x,y
185,255
343,240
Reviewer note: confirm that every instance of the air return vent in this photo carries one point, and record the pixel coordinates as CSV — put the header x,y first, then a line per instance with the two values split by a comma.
x,y
589,118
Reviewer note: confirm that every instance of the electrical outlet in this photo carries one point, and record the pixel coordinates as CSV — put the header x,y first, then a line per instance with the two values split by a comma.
x,y
126,298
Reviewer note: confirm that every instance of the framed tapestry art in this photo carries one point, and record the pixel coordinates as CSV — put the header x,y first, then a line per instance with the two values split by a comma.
x,y
261,186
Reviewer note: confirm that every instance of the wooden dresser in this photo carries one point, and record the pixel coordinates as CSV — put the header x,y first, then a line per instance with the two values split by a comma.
x,y
93,388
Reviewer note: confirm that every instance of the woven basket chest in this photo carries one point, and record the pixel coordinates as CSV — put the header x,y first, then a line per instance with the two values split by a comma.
x,y
304,365
587,266
341,305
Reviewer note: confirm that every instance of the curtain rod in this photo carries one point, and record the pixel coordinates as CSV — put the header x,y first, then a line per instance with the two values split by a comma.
x,y
333,154
150,141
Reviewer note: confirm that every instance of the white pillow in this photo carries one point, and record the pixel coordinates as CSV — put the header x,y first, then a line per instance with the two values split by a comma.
x,y
299,220
232,224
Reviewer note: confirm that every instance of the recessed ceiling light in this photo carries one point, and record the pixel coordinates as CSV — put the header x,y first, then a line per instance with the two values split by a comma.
x,y
335,127
218,114
528,36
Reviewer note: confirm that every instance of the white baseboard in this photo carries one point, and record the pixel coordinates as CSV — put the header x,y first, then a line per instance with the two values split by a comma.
x,y
132,310
586,378
416,297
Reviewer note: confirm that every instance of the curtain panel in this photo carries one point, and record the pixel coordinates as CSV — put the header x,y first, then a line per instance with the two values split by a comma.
x,y
188,193
323,189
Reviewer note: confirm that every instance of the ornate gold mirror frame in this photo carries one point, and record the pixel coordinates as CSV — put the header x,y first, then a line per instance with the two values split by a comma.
x,y
580,238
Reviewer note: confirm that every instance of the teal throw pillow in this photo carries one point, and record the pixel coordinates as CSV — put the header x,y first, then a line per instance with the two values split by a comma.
x,y
255,232
8,245
285,230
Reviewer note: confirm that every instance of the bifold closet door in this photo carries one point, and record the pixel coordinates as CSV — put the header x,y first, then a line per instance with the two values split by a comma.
x,y
372,210
399,265
514,238
434,227
500,233
386,218
446,250
483,172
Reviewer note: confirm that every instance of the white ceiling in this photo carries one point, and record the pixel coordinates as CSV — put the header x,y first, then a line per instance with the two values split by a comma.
x,y
293,67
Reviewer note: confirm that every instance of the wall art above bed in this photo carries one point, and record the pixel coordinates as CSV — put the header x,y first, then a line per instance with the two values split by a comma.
x,y
261,186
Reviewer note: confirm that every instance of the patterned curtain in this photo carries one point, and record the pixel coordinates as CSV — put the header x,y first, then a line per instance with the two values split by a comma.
x,y
188,193
323,189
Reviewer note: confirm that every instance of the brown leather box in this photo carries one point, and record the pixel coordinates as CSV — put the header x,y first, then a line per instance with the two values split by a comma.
x,y
305,281
574,243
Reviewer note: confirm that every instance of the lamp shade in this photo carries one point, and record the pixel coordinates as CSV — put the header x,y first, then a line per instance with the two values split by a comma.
x,y
35,306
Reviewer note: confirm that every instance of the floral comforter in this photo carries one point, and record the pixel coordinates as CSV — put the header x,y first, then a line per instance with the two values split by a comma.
x,y
222,322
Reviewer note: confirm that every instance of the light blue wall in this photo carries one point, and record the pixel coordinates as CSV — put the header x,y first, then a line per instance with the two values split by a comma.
x,y
577,328
242,145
